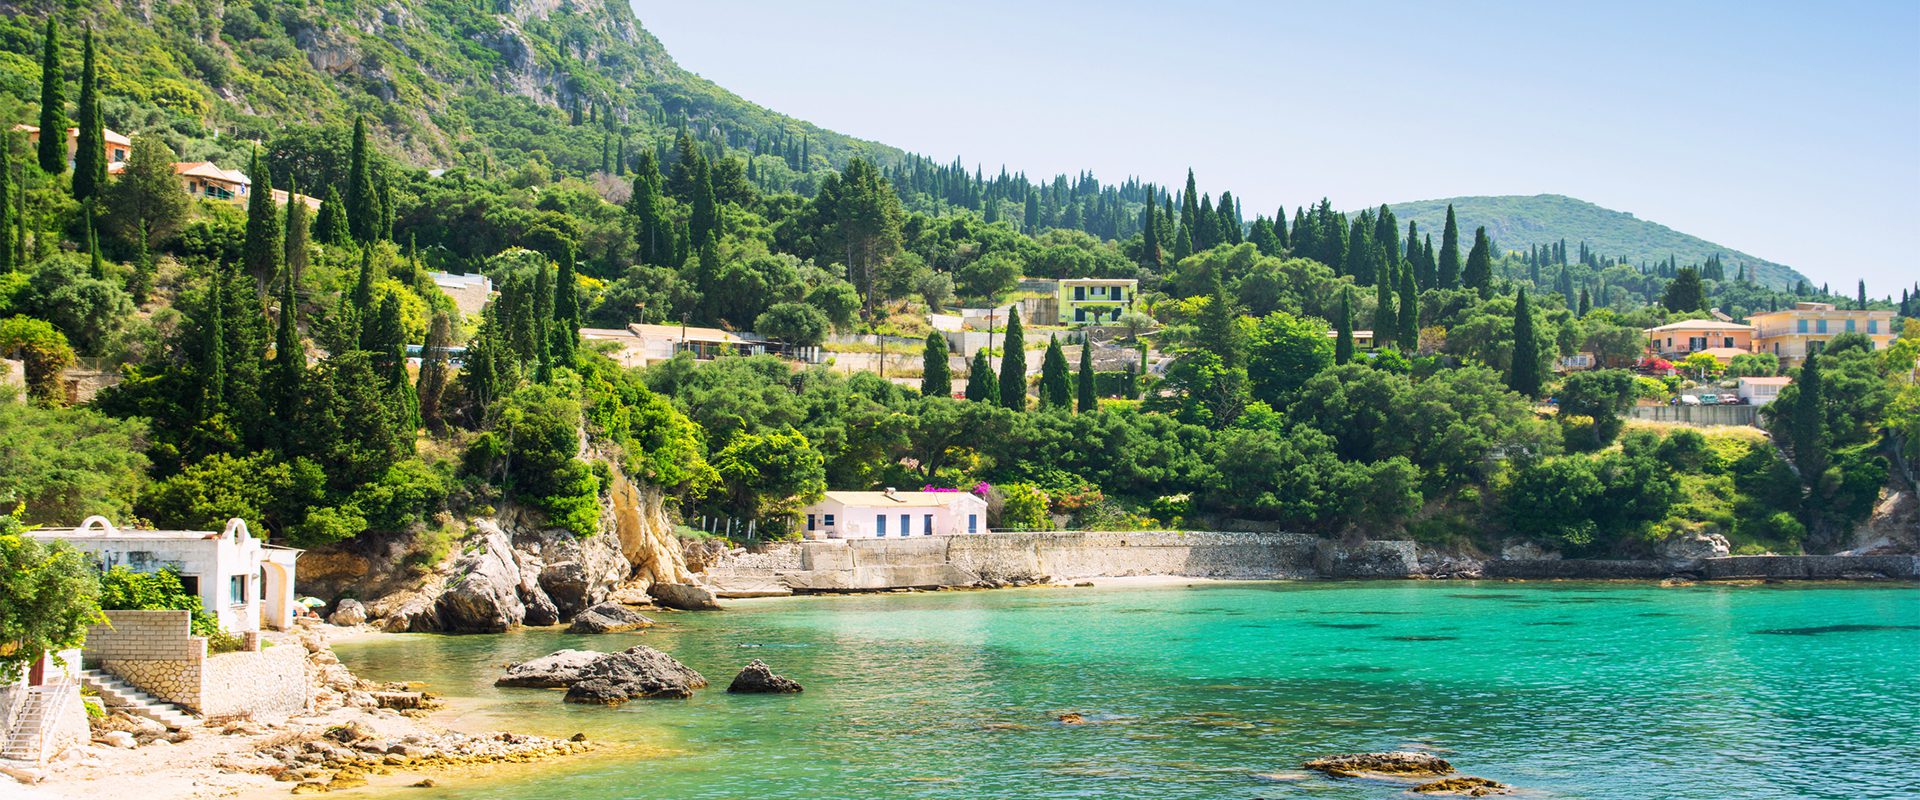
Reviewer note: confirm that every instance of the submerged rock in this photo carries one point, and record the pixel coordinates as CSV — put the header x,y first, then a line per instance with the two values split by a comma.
x,y
636,672
608,618
552,671
758,678
1463,786
684,596
1395,763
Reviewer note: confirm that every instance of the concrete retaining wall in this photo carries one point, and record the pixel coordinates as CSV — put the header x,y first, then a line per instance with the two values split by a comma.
x,y
1704,416
269,684
1812,567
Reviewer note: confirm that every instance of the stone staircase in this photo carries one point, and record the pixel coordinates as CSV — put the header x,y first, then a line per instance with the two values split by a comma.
x,y
116,693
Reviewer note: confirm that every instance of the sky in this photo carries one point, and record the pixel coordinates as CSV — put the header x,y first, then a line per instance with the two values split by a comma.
x,y
1790,131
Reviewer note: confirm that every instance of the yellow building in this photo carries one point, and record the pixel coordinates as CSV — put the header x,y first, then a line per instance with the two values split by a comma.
x,y
1793,333
1095,300
118,148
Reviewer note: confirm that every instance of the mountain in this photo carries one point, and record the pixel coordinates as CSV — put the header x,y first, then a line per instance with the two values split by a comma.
x,y
1516,222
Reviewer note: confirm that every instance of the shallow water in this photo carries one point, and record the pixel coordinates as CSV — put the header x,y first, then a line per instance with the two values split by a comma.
x,y
1566,690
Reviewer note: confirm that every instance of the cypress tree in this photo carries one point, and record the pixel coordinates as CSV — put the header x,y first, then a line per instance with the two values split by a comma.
x,y
566,312
6,202
1030,217
362,301
333,220
1684,292
90,140
1055,389
289,363
981,385
936,377
432,386
1861,304
1386,320
1150,235
1449,268
1219,324
703,222
1084,385
391,363
264,246
1013,364
1409,330
1525,375
294,256
98,268
53,104
1806,427
363,207
543,323
1586,303
213,365
1478,274
1343,329
653,232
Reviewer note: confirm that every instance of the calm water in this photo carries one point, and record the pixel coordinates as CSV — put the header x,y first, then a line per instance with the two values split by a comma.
x,y
1567,690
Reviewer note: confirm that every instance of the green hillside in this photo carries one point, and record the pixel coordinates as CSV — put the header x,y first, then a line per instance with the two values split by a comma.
x,y
1516,222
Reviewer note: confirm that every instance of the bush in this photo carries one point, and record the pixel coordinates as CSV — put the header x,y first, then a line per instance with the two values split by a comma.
x,y
122,589
1023,507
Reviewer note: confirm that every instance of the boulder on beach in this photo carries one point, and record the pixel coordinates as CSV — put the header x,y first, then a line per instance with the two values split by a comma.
x,y
684,596
634,673
1396,763
608,618
552,671
348,612
758,678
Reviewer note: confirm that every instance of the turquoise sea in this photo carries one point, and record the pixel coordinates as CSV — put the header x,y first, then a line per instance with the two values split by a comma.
x,y
1221,690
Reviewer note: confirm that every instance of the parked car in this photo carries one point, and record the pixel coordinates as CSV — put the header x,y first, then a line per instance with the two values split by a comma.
x,y
1732,400
1709,399
1689,400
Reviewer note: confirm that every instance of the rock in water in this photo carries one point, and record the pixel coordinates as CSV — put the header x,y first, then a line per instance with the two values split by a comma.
x,y
485,598
608,618
758,678
1463,786
348,612
552,671
636,672
1396,763
684,596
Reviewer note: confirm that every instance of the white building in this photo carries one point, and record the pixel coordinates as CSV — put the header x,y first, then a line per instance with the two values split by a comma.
x,y
893,515
242,582
470,291
1761,391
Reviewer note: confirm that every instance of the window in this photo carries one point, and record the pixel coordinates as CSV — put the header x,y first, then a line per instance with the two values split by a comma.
x,y
1819,326
973,523
1800,326
1079,315
1850,326
906,525
810,522
926,527
879,524
1873,326
827,520
1728,342
237,590
1696,343
1079,292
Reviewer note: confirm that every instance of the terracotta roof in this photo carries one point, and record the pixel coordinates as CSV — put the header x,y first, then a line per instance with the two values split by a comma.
x,y
211,171
1702,325
695,333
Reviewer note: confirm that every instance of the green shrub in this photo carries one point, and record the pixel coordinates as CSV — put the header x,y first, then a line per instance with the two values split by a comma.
x,y
122,589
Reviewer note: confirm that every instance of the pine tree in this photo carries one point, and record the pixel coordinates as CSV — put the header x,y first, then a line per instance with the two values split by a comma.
x,y
1218,329
289,364
1449,277
1056,390
936,377
1684,292
363,205
1013,364
982,387
1343,329
90,140
1084,384
264,247
431,389
1408,334
1478,274
1525,374
1806,427
566,312
53,104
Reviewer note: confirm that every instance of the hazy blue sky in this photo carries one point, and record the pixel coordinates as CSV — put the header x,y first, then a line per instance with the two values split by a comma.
x,y
1788,130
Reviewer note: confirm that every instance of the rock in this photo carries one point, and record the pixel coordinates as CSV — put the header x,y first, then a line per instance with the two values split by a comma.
x,y
410,612
485,596
347,734
120,739
1463,786
608,618
684,596
1083,584
569,586
1071,718
424,783
636,672
1527,551
758,678
310,787
26,775
1395,763
540,610
552,671
348,612
1689,547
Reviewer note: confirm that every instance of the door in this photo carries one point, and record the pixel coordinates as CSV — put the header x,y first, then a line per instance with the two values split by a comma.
x,y
926,528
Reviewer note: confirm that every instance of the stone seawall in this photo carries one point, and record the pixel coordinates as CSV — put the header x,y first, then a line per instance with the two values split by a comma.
x,y
998,558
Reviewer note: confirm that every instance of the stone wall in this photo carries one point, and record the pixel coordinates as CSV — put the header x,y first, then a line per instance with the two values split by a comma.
x,y
1816,568
155,651
1699,416
1074,555
268,684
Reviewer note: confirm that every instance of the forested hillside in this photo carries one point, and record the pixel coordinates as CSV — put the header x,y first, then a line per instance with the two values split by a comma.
x,y
1517,222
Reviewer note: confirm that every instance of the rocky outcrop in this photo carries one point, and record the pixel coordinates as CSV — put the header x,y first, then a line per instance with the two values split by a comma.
x,y
634,673
1394,763
348,612
684,596
639,519
1688,548
609,618
552,671
1463,786
484,594
758,678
